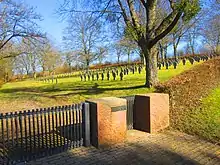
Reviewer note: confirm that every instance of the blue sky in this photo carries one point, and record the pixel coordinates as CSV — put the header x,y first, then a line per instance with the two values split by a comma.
x,y
51,23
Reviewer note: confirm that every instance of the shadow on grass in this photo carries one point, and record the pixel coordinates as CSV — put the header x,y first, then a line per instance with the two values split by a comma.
x,y
96,90
77,90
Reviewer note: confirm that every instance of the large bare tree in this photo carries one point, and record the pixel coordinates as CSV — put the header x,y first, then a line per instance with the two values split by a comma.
x,y
17,21
83,35
163,45
185,30
118,51
102,53
140,18
6,70
48,57
212,34
128,46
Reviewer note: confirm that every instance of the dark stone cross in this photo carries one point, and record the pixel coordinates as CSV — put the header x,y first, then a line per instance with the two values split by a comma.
x,y
108,75
121,76
159,65
125,71
102,76
191,60
139,69
114,75
97,76
133,70
174,64
167,65
184,61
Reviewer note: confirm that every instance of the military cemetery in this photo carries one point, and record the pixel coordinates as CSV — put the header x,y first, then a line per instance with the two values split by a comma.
x,y
109,82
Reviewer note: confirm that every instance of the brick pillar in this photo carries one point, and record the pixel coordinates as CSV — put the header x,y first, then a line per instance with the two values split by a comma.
x,y
108,121
151,112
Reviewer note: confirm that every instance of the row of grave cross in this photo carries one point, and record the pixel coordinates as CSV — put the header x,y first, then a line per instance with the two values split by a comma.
x,y
109,72
49,80
175,62
91,75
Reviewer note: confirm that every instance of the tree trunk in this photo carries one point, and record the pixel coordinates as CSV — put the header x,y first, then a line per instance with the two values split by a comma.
x,y
161,52
69,67
118,59
165,52
143,60
128,58
175,51
151,66
158,55
87,65
6,77
142,57
43,68
192,49
34,70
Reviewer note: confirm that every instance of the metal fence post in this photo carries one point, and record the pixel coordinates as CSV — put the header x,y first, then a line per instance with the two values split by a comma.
x,y
86,124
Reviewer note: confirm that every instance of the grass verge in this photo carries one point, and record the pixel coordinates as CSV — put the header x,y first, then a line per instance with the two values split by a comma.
x,y
205,120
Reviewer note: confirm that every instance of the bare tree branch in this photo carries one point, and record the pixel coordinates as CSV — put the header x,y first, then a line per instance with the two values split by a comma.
x,y
144,3
133,13
166,22
19,21
11,55
126,19
166,31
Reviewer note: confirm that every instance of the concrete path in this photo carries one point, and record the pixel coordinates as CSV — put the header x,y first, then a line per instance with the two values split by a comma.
x,y
167,148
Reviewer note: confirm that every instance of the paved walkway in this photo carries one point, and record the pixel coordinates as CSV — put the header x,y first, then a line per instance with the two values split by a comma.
x,y
167,148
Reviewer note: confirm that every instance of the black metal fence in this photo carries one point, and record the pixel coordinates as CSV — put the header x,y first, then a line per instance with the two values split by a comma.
x,y
27,135
130,109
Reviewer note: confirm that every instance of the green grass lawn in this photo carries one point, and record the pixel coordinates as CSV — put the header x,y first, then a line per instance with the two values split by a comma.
x,y
33,94
205,121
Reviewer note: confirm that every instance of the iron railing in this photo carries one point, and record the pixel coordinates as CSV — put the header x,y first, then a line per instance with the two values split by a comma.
x,y
27,135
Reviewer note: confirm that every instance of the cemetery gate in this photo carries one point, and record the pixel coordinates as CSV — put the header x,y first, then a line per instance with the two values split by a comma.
x,y
130,110
27,135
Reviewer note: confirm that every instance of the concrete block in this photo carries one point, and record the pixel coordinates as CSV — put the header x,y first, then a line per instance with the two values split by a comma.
x,y
151,112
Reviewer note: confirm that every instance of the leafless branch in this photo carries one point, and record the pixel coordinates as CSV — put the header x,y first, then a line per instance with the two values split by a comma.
x,y
167,30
